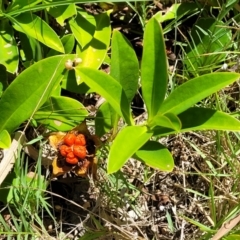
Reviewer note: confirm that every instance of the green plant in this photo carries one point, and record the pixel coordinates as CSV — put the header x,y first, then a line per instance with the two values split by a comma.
x,y
174,114
23,192
38,42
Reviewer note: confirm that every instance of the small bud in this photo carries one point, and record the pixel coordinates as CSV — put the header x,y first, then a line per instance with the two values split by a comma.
x,y
69,64
77,61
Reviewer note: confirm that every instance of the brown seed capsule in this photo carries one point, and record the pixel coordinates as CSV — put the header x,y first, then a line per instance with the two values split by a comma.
x,y
69,64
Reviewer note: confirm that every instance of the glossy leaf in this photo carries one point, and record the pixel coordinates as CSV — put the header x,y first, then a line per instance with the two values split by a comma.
x,y
31,50
5,139
195,90
8,46
103,120
195,119
124,64
168,120
204,118
68,42
109,89
61,13
17,106
35,27
61,113
69,83
207,38
83,27
155,155
127,142
154,73
94,53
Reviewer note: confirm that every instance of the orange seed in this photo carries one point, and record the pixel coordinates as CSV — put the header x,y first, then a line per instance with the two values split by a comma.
x,y
69,139
80,140
80,151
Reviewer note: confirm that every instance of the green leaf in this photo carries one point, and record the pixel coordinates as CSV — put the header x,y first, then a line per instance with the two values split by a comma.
x,y
202,119
31,50
168,120
22,4
8,46
94,53
30,90
83,27
232,237
207,38
154,73
35,27
124,64
155,155
61,13
56,3
61,113
108,88
195,90
5,139
3,79
127,142
68,42
103,120
69,83
170,14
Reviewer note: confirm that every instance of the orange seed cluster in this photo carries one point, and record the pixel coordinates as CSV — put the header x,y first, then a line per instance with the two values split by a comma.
x,y
74,148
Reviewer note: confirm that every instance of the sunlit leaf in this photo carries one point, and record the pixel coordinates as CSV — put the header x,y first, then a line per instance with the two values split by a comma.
x,y
195,90
168,120
154,73
83,27
35,27
127,142
155,155
37,83
5,139
68,42
8,46
108,88
61,13
94,53
61,113
124,64
195,119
